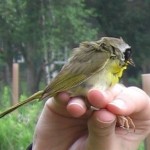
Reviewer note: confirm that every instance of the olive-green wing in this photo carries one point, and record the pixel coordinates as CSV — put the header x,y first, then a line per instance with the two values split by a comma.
x,y
63,82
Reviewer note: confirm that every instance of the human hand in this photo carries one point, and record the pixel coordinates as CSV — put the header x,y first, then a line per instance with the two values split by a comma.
x,y
68,123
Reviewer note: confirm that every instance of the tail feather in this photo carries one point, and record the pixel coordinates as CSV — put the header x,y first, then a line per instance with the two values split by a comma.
x,y
35,96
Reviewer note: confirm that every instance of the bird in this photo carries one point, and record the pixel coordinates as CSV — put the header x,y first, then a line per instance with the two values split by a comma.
x,y
93,64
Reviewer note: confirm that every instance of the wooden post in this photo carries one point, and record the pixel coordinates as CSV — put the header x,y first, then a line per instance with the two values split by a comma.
x,y
15,83
146,88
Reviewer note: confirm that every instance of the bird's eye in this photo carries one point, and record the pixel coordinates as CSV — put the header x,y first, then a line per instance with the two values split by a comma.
x,y
127,54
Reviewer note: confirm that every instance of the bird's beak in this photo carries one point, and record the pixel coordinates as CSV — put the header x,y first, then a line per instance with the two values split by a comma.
x,y
131,62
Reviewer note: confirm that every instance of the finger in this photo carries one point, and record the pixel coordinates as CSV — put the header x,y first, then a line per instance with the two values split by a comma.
x,y
101,129
100,99
130,101
97,98
62,97
59,103
76,107
64,105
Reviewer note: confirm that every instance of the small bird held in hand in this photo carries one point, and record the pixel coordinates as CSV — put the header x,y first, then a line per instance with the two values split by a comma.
x,y
95,64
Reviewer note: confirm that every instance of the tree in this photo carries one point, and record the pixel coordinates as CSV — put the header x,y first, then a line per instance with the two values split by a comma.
x,y
38,27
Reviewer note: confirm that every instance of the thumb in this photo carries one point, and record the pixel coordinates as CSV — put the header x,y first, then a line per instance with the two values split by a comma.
x,y
101,127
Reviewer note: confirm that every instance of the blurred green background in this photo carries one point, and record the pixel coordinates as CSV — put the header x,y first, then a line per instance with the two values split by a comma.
x,y
39,35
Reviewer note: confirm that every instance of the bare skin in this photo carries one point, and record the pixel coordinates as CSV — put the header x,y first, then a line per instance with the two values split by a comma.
x,y
68,123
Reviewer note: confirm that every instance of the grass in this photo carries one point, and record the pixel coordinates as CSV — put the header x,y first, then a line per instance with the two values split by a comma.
x,y
16,129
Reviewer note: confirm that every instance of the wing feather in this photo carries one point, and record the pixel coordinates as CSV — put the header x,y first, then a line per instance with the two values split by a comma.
x,y
62,83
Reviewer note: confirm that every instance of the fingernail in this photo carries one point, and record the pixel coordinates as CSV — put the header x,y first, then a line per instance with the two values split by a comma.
x,y
76,109
119,103
76,104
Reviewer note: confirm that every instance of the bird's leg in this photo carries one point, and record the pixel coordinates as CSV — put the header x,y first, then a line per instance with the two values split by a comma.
x,y
125,122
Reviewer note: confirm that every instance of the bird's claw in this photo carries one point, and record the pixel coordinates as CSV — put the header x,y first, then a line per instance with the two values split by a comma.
x,y
125,122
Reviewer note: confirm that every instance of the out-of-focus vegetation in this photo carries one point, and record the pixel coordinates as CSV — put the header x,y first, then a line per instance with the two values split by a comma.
x,y
16,130
40,34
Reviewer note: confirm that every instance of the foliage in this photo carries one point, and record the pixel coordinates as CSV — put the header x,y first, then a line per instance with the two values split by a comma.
x,y
5,97
35,28
16,129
